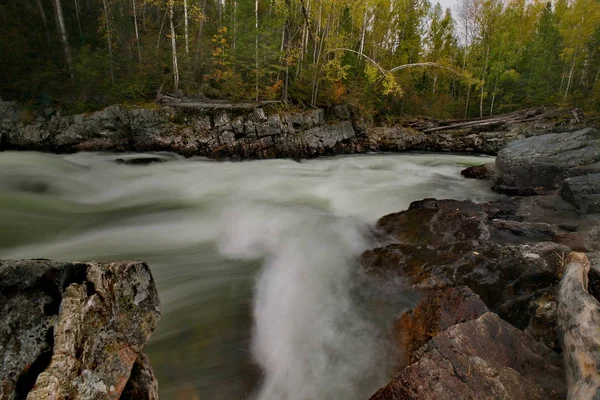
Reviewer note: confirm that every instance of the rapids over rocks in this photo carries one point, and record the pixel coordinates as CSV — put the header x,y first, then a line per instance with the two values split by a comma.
x,y
256,263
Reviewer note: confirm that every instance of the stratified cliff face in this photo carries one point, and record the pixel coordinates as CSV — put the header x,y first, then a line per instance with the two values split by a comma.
x,y
254,134
76,330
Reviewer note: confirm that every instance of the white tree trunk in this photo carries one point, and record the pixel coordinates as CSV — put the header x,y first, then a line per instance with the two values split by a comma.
x,y
570,78
234,28
173,48
77,13
487,53
112,72
363,32
256,45
137,35
44,20
63,36
187,37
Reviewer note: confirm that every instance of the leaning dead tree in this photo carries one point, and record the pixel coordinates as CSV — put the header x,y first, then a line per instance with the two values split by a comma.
x,y
579,327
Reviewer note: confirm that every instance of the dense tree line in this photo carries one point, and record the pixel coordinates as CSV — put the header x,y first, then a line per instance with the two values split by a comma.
x,y
385,57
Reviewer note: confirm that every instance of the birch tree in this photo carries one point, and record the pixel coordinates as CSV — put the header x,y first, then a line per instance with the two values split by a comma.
x,y
60,21
174,47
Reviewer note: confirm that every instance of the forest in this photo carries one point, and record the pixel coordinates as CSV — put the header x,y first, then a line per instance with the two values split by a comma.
x,y
385,58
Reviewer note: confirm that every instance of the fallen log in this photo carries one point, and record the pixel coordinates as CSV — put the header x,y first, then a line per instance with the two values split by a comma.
x,y
579,328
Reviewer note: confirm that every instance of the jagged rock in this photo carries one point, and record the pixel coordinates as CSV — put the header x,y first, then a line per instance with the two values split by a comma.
x,y
190,132
223,122
436,313
73,330
142,383
540,163
258,115
445,243
583,192
480,359
328,135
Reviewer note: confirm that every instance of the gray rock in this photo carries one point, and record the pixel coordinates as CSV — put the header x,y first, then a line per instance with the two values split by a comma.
x,y
328,135
583,192
485,358
223,122
238,125
73,330
273,126
257,115
540,163
228,137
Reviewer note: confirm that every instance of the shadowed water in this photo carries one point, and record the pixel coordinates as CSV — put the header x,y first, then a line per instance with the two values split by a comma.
x,y
255,262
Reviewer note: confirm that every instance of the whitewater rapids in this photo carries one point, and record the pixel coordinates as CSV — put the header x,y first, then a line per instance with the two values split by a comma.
x,y
255,262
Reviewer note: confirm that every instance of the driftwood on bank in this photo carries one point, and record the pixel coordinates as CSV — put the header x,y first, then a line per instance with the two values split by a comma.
x,y
528,115
579,327
203,103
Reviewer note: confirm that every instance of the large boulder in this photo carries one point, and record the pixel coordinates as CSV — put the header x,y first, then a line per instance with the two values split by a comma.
x,y
583,192
75,330
540,163
485,358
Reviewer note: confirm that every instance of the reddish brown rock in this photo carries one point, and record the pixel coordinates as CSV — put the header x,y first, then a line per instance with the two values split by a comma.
x,y
486,358
436,312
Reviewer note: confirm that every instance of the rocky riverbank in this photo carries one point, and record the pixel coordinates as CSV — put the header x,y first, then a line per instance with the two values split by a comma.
x,y
76,330
511,305
260,133
512,286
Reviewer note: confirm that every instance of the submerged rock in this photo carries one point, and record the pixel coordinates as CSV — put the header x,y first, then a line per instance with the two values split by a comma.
x,y
483,172
74,330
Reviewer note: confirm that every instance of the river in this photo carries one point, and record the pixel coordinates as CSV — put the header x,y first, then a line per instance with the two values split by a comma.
x,y
255,262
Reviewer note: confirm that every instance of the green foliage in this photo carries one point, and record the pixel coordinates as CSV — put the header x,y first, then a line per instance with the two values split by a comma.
x,y
510,54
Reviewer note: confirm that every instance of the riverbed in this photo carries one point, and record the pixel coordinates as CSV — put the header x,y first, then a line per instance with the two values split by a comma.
x,y
255,262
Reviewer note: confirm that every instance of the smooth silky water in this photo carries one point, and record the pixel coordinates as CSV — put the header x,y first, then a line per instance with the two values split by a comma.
x,y
255,262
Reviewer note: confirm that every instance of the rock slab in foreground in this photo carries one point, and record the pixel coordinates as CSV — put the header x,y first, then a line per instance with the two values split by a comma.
x,y
486,358
436,313
75,330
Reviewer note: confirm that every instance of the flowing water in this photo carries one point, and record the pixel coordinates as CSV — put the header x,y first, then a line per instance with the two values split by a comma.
x,y
255,262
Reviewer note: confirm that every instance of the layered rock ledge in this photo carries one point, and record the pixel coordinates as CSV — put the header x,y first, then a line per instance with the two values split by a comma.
x,y
261,133
76,330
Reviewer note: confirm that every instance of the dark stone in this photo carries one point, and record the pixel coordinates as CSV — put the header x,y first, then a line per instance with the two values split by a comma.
x,y
479,359
140,160
511,265
583,192
481,172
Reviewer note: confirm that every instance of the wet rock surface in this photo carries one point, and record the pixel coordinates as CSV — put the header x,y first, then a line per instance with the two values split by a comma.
x,y
75,330
479,359
507,256
436,313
